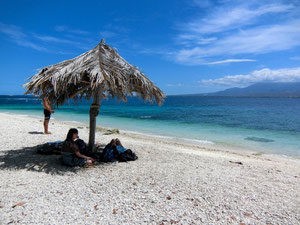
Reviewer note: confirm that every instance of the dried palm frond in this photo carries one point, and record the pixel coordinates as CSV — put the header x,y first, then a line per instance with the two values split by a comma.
x,y
81,77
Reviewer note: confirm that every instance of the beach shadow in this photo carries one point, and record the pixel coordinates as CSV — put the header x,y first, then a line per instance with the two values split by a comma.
x,y
27,159
35,132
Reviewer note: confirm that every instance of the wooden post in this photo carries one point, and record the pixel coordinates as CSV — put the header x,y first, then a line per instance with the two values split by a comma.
x,y
94,111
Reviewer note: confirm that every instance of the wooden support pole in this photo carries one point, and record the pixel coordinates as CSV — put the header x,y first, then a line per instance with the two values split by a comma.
x,y
94,111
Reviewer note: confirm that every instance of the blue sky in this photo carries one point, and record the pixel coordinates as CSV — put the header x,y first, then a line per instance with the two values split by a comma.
x,y
184,46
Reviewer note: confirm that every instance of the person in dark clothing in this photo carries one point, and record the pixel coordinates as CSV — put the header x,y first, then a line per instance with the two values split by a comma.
x,y
47,113
113,150
71,154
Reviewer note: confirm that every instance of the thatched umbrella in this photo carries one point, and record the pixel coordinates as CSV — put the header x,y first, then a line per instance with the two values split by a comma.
x,y
96,74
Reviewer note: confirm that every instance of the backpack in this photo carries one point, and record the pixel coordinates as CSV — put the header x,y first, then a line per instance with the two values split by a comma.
x,y
117,153
109,154
128,155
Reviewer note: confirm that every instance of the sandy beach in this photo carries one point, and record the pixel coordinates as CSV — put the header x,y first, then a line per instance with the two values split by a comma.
x,y
170,183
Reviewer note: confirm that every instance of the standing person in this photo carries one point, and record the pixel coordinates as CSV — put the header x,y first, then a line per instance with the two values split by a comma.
x,y
47,113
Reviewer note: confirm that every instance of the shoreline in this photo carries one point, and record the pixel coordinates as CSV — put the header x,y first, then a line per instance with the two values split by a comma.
x,y
184,143
230,125
202,144
169,182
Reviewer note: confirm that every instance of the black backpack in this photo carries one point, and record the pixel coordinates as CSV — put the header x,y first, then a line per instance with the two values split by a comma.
x,y
111,154
128,155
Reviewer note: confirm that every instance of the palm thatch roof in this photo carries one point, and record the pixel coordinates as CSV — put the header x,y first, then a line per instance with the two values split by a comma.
x,y
81,77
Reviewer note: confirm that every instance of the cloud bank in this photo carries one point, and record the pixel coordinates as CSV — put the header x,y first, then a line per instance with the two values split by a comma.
x,y
43,43
230,61
234,29
264,75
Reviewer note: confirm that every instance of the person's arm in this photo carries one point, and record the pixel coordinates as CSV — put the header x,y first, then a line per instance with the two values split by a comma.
x,y
77,153
83,156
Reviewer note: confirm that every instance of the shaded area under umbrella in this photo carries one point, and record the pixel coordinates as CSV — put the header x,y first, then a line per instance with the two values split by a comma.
x,y
97,74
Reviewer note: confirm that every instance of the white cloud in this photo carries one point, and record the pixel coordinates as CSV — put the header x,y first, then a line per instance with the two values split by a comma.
x,y
12,30
249,41
37,41
18,36
51,39
264,39
237,29
70,30
229,18
297,58
264,75
107,34
30,44
54,39
230,61
192,39
175,85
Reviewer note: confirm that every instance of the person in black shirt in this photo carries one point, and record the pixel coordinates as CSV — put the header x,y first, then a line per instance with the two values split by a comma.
x,y
47,113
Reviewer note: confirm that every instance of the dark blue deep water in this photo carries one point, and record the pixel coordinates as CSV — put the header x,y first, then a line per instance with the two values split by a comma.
x,y
261,124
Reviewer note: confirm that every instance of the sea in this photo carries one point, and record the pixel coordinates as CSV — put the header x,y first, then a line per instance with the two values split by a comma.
x,y
263,125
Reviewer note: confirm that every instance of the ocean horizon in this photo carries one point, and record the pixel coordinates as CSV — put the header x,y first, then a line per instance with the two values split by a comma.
x,y
266,125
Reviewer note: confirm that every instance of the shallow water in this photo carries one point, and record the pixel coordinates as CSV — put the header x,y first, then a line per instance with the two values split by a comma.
x,y
270,125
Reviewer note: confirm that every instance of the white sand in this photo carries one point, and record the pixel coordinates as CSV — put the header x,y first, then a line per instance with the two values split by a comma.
x,y
169,183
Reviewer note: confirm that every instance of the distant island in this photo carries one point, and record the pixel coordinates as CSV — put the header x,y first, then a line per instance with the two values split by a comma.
x,y
261,90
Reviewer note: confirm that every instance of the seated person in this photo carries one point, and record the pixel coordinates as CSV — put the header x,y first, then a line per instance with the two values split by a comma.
x,y
113,150
83,148
116,143
71,154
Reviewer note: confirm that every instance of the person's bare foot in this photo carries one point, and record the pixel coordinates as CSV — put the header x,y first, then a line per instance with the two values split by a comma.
x,y
47,132
88,165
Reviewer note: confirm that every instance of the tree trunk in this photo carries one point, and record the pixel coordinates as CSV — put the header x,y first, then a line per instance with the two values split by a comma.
x,y
94,111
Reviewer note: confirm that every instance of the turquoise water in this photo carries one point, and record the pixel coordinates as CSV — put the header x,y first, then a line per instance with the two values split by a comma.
x,y
270,125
